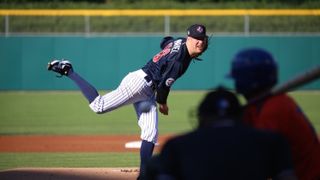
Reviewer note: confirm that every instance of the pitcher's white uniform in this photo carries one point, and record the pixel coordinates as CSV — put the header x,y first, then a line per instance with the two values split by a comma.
x,y
133,89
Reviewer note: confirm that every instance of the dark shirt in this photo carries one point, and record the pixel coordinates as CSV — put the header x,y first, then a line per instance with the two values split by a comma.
x,y
167,66
235,152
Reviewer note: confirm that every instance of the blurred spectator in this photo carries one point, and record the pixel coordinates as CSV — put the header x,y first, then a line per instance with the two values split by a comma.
x,y
255,72
222,148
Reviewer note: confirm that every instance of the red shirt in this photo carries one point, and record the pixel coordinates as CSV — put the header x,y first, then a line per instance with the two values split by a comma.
x,y
281,114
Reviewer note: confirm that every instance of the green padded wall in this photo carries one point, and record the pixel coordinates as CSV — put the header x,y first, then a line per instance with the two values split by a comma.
x,y
103,61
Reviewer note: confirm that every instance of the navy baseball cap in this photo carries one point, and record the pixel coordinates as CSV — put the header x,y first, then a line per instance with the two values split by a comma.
x,y
197,31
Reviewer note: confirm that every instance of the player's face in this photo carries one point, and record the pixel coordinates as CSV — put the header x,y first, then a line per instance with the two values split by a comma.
x,y
198,45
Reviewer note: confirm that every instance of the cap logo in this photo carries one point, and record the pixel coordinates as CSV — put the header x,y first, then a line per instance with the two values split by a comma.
x,y
200,29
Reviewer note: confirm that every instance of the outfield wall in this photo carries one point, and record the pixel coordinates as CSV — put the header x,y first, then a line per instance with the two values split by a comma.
x,y
103,61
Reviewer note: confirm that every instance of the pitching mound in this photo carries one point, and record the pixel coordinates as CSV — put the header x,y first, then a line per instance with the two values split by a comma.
x,y
73,143
70,174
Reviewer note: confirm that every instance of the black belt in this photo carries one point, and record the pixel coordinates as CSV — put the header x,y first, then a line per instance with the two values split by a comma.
x,y
149,80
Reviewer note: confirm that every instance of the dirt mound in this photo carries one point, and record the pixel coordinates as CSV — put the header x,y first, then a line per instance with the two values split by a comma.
x,y
71,143
70,174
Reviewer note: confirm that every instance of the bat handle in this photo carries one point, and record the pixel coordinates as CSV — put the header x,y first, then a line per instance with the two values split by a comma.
x,y
298,81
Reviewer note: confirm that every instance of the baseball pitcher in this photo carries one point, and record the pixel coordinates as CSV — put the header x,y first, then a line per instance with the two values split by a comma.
x,y
146,87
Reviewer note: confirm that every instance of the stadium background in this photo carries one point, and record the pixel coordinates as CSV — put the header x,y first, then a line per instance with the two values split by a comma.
x,y
112,38
105,48
105,60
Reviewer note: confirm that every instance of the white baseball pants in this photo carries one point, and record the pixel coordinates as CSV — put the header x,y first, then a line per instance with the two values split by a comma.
x,y
133,89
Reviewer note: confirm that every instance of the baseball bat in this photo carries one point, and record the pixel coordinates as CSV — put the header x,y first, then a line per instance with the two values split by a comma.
x,y
297,81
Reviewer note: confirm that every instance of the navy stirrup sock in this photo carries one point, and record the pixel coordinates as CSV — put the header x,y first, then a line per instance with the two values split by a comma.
x,y
87,89
146,151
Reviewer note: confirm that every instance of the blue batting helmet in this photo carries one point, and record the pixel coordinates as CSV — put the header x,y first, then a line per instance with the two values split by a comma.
x,y
253,70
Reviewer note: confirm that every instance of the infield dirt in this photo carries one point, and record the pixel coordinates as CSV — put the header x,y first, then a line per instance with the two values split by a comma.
x,y
70,174
59,143
76,143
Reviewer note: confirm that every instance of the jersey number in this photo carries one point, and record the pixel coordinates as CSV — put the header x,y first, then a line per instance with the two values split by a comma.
x,y
164,52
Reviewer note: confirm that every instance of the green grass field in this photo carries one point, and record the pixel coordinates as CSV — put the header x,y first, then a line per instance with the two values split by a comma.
x,y
67,113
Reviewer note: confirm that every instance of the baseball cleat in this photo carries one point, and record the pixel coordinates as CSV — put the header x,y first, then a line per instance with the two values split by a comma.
x,y
61,67
66,66
52,64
